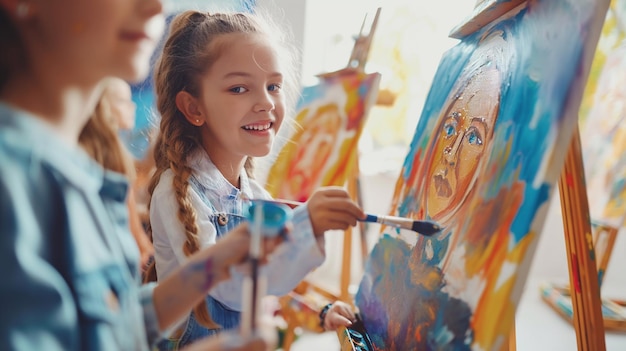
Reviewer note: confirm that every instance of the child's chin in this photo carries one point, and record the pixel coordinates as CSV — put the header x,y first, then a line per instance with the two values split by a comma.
x,y
260,152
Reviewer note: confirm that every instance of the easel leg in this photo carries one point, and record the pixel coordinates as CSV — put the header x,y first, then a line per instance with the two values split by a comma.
x,y
512,338
346,263
290,336
584,290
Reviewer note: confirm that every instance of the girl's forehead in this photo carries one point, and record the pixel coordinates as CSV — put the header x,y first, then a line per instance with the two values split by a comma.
x,y
242,41
246,50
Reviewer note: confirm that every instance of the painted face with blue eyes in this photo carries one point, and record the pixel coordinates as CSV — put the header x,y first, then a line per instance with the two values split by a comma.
x,y
241,98
463,134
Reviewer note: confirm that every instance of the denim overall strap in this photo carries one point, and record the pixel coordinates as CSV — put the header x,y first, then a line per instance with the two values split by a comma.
x,y
222,315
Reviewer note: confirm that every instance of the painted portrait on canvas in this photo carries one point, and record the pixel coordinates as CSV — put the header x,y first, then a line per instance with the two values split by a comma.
x,y
487,152
329,122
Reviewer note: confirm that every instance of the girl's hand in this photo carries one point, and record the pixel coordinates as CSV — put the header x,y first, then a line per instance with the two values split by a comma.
x,y
234,247
332,208
340,314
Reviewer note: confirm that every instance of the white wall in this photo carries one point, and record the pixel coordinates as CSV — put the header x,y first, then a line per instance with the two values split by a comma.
x,y
290,14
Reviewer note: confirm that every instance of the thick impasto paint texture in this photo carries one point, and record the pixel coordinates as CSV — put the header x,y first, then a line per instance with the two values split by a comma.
x,y
485,158
330,119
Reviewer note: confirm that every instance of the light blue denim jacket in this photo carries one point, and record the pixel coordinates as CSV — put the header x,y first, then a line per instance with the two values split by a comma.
x,y
68,263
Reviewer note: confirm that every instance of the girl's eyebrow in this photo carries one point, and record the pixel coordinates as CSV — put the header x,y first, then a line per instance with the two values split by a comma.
x,y
479,120
236,74
248,75
456,115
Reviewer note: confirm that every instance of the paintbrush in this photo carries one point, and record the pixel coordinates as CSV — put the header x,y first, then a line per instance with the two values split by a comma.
x,y
252,289
267,220
423,227
426,228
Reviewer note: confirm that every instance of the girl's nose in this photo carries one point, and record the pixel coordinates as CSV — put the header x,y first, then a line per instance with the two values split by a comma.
x,y
265,104
450,152
151,8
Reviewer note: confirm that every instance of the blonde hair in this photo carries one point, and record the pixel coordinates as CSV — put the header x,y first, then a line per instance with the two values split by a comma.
x,y
189,51
99,137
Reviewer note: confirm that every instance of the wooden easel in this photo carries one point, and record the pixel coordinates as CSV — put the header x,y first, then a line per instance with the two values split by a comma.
x,y
605,227
580,251
307,296
575,209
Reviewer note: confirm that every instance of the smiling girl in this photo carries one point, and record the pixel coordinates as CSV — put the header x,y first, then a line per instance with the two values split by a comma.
x,y
222,84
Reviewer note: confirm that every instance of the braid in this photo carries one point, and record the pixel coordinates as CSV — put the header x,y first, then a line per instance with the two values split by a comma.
x,y
186,212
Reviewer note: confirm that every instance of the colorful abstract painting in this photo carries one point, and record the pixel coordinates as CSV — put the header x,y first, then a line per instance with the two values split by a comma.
x,y
613,35
603,137
487,152
329,123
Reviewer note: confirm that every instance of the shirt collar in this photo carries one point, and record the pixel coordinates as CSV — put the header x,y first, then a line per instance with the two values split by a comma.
x,y
210,176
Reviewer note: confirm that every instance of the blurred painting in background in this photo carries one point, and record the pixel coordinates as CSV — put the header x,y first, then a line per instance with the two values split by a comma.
x,y
329,121
603,131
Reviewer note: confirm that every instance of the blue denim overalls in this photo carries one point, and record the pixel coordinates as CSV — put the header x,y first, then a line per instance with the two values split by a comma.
x,y
230,216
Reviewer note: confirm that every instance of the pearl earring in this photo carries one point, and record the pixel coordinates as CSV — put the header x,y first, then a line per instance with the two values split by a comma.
x,y
197,121
21,10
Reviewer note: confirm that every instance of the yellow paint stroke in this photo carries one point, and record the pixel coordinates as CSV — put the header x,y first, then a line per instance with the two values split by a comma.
x,y
495,312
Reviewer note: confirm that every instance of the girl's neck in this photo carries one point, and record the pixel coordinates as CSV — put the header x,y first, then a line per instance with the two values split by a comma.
x,y
230,168
63,106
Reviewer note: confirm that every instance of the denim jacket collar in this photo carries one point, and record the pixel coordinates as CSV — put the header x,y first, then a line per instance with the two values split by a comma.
x,y
210,176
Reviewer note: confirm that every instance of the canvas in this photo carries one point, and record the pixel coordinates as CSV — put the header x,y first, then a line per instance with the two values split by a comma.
x,y
613,35
487,152
604,143
329,122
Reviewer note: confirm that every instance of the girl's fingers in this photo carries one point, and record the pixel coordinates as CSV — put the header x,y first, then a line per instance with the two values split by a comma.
x,y
333,191
344,206
341,222
335,321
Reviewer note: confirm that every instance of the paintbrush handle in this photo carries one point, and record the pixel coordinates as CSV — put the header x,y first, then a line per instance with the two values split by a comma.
x,y
398,222
425,227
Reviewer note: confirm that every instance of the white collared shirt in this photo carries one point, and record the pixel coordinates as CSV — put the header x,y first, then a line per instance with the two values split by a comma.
x,y
288,265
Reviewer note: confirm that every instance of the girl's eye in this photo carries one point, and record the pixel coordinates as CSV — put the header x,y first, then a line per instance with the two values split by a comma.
x,y
473,137
274,87
238,90
449,129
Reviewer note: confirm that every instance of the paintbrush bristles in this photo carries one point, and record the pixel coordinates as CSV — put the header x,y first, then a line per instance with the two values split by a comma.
x,y
426,228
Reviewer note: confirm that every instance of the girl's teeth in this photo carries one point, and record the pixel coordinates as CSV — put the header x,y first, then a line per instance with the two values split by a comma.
x,y
257,127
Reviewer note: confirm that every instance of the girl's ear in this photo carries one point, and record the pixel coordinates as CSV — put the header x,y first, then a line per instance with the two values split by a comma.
x,y
188,105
